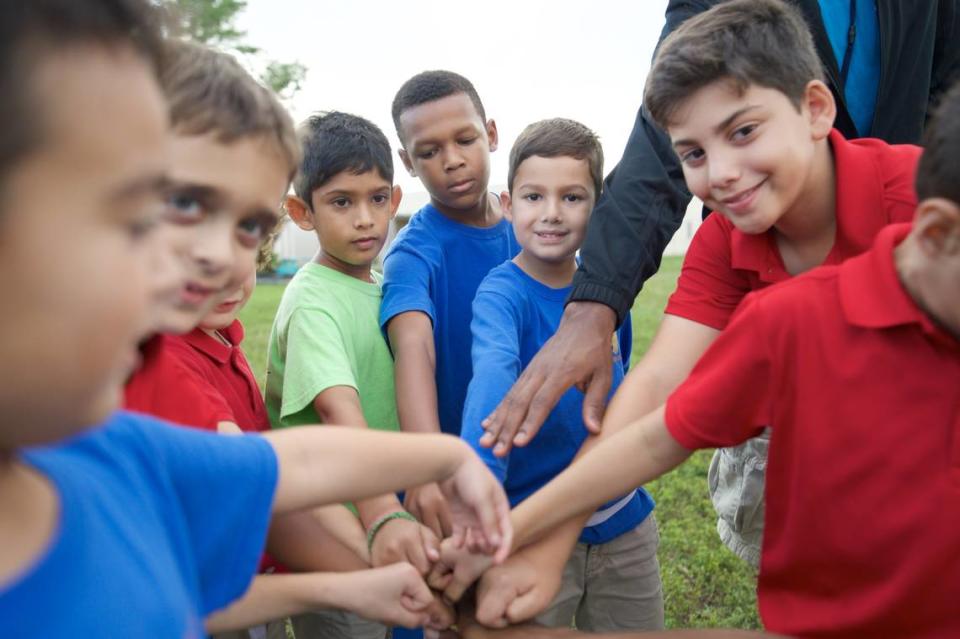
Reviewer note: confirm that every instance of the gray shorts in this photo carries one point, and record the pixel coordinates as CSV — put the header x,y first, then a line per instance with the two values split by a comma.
x,y
736,479
336,624
612,586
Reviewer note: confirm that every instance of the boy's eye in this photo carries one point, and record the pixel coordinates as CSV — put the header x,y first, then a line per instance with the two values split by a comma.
x,y
183,207
340,202
743,132
572,197
692,157
467,141
426,155
533,197
253,230
380,199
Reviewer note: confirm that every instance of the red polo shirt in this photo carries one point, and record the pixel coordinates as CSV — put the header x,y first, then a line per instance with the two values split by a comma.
x,y
862,527
198,381
874,188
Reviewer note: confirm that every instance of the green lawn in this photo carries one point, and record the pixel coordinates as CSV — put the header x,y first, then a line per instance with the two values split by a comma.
x,y
705,585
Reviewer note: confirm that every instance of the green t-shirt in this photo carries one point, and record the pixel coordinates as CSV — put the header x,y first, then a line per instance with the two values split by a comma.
x,y
327,333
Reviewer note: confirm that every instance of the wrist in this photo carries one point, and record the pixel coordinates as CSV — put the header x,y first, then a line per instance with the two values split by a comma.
x,y
590,315
382,521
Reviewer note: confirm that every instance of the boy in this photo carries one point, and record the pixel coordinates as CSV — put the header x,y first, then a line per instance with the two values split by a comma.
x,y
328,361
738,89
612,580
432,270
231,163
121,530
856,368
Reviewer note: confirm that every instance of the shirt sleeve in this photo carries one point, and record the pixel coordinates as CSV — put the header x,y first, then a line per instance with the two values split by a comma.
x,y
225,485
642,204
727,398
709,290
496,366
317,358
406,285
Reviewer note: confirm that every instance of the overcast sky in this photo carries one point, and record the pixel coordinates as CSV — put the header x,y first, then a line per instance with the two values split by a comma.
x,y
529,59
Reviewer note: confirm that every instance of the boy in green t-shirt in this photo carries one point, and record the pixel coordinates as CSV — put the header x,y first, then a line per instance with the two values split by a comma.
x,y
328,361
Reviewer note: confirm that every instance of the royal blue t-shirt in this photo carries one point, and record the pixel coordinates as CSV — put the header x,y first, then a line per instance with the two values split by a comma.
x,y
513,316
158,526
435,266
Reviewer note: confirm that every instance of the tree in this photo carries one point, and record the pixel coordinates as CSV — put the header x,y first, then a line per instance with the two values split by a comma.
x,y
213,22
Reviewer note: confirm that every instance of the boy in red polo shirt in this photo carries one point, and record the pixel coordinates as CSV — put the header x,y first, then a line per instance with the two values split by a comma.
x,y
856,367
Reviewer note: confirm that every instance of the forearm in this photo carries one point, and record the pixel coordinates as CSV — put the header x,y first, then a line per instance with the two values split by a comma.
x,y
625,460
273,597
321,465
329,539
416,385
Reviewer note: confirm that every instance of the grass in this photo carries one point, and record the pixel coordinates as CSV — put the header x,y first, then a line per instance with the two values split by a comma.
x,y
705,585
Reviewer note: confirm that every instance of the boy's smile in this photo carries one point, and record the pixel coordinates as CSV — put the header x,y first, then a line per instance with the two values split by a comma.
x,y
447,145
750,156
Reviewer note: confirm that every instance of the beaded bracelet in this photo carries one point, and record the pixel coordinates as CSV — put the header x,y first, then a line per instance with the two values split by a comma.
x,y
378,524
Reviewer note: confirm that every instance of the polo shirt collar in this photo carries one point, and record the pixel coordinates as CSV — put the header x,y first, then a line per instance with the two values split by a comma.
x,y
859,210
871,294
214,348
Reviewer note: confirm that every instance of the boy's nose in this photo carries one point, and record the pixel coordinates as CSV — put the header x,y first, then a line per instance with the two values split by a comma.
x,y
453,159
364,217
214,249
723,170
551,212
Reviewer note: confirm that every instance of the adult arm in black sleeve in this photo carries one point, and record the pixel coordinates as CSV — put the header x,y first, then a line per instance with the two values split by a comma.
x,y
643,203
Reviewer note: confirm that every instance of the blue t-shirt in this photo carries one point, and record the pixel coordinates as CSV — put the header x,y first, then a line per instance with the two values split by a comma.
x,y
863,75
158,526
435,266
513,316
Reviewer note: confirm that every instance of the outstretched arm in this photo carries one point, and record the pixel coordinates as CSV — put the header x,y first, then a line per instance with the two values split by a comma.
x,y
323,465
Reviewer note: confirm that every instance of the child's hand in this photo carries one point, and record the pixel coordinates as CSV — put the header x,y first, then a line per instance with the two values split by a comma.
x,y
457,569
515,591
427,504
404,540
395,595
479,508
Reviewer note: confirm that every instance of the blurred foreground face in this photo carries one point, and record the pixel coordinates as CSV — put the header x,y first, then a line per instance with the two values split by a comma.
x,y
79,262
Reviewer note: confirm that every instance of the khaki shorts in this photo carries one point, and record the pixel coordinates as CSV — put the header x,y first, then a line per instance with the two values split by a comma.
x,y
612,586
736,480
336,624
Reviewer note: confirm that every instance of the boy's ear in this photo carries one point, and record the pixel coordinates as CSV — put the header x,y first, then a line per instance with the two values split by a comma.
x,y
493,139
506,205
821,108
407,164
396,194
937,226
299,212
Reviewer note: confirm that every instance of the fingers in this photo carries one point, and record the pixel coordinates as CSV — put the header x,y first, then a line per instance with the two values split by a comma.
x,y
525,606
444,518
595,398
506,532
441,614
430,543
440,576
501,425
492,606
539,408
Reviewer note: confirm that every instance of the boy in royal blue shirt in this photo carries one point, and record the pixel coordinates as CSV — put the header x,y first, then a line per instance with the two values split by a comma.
x,y
432,270
612,580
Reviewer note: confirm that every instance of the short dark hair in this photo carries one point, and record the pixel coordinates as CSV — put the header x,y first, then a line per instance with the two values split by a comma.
x,y
335,142
31,29
938,173
429,86
761,42
558,137
209,92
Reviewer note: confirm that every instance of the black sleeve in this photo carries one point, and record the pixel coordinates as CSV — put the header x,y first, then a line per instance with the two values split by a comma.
x,y
643,203
946,53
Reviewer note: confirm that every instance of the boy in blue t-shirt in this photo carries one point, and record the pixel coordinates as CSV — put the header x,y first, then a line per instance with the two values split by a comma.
x,y
432,270
132,528
612,580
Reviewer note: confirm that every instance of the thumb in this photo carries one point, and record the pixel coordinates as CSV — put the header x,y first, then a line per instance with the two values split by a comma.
x,y
416,594
595,398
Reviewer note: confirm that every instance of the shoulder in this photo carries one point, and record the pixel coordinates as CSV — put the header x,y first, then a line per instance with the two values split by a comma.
x,y
419,237
799,299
